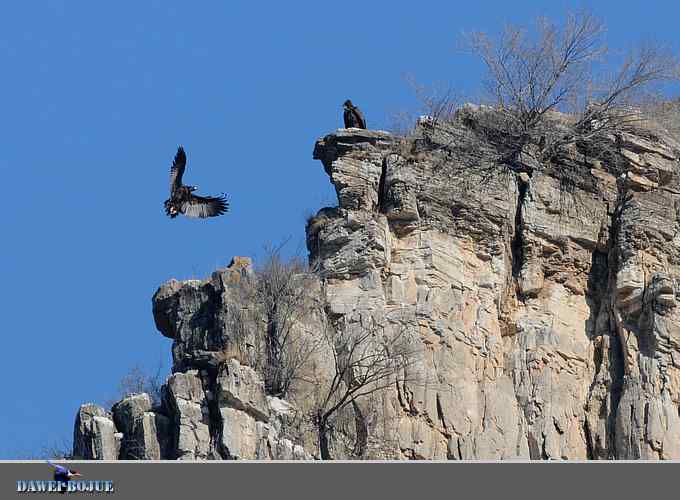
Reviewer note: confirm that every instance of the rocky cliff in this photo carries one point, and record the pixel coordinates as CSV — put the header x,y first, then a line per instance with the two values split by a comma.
x,y
542,301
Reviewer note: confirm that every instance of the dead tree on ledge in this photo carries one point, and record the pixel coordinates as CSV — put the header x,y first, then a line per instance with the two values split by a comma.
x,y
557,68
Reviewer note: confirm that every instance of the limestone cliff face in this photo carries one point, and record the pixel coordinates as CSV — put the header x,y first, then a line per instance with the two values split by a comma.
x,y
543,301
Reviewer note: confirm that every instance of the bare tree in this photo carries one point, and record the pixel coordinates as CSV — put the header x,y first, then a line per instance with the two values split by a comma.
x,y
366,359
138,381
438,104
533,74
59,450
271,331
438,101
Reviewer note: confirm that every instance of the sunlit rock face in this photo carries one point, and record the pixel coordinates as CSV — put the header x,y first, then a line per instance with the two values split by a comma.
x,y
543,315
95,436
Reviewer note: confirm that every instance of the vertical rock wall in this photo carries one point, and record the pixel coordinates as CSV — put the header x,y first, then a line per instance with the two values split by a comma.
x,y
542,304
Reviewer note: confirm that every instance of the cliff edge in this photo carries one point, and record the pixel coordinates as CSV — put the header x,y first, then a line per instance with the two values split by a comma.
x,y
541,299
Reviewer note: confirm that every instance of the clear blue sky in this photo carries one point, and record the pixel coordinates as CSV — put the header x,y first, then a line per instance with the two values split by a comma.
x,y
96,96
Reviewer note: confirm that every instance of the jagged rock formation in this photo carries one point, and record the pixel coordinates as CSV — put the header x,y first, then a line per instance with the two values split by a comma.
x,y
95,436
145,433
543,301
212,407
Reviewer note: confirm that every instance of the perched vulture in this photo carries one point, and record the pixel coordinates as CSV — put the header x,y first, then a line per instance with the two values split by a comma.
x,y
183,201
353,116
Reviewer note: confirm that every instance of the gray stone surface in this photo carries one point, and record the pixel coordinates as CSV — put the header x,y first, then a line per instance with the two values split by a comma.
x,y
190,416
241,388
146,434
95,436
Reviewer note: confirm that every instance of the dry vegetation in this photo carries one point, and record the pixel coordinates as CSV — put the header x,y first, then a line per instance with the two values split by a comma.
x,y
269,333
280,327
138,381
551,89
367,358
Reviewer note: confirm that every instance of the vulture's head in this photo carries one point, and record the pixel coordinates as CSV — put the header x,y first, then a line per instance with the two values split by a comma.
x,y
348,104
193,188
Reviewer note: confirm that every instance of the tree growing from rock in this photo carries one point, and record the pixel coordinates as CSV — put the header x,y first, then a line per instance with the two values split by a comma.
x,y
57,450
138,381
269,333
552,89
565,68
366,358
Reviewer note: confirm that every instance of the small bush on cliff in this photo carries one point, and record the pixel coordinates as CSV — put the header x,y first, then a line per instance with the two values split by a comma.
x,y
283,290
564,68
58,450
137,381
269,334
553,87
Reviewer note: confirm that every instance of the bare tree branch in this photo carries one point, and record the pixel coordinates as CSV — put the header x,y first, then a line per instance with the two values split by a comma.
x,y
366,359
270,333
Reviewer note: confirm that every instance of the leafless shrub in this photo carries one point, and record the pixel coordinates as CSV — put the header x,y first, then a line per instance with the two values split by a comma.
x,y
557,97
558,101
532,75
138,381
270,332
438,101
401,123
666,113
366,358
57,450
281,328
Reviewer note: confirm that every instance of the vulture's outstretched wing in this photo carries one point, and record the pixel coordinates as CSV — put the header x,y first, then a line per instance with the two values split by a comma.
x,y
177,169
205,206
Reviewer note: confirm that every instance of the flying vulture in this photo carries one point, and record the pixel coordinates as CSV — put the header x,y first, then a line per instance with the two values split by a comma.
x,y
353,116
183,201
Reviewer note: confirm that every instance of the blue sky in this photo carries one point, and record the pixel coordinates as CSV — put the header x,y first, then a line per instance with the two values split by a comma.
x,y
96,96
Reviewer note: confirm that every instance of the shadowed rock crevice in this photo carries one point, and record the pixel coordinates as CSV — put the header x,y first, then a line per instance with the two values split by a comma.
x,y
381,186
517,244
215,420
605,387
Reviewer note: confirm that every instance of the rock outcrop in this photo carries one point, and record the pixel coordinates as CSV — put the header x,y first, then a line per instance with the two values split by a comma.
x,y
145,432
212,407
543,302
95,436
